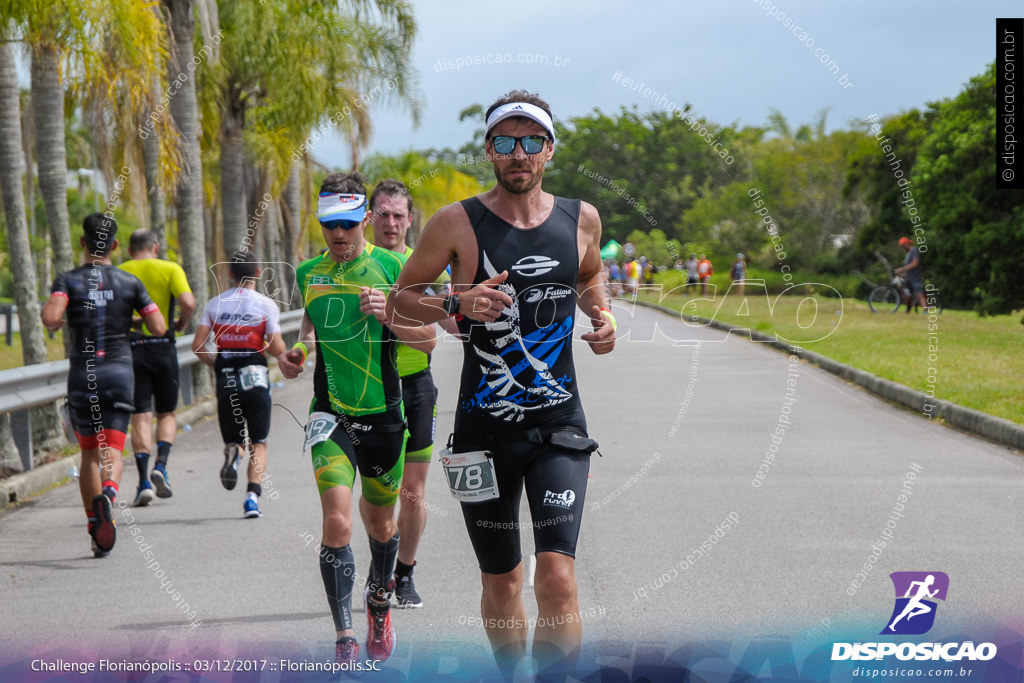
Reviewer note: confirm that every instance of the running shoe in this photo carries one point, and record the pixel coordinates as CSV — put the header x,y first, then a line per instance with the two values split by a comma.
x,y
346,652
380,636
252,509
406,596
162,482
143,495
96,552
229,472
103,531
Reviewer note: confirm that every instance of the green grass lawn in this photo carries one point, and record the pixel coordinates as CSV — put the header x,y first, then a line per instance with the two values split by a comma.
x,y
974,362
10,356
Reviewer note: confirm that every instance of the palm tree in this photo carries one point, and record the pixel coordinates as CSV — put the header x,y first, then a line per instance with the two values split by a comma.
x,y
287,66
12,166
154,193
122,85
179,15
26,297
51,33
185,112
28,143
65,41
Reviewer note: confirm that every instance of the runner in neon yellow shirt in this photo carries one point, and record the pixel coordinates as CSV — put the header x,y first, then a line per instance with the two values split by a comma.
x,y
155,362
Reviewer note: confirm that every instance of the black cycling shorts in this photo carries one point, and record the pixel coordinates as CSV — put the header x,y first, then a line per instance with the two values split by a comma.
x,y
241,413
106,380
419,396
555,479
155,361
97,425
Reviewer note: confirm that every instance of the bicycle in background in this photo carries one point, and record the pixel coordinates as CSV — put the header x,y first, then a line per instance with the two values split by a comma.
x,y
888,298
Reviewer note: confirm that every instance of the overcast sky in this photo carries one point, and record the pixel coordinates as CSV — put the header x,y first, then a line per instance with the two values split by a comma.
x,y
731,60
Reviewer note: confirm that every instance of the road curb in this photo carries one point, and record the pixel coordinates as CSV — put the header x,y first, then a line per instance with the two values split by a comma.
x,y
993,428
20,487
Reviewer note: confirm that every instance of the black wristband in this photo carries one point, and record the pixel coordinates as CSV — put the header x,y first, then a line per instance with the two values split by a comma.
x,y
451,304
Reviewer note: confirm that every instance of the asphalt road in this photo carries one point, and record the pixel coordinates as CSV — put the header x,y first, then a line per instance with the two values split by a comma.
x,y
686,418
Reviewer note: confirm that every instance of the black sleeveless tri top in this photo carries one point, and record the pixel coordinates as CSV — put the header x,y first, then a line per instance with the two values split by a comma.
x,y
101,303
518,371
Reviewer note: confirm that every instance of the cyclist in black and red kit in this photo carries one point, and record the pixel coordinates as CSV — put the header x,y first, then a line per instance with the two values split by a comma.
x,y
99,300
522,260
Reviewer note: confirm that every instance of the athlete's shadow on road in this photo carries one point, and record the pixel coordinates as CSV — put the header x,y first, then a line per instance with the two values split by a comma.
x,y
51,564
192,522
248,619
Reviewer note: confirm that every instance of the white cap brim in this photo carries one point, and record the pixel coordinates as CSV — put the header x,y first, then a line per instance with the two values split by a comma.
x,y
524,109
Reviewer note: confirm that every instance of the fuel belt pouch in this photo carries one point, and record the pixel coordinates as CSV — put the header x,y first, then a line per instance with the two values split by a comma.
x,y
572,441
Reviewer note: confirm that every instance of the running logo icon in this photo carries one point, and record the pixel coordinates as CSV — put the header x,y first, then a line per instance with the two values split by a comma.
x,y
916,596
564,500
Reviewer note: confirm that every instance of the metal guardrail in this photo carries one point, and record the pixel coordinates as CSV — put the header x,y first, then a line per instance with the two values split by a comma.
x,y
24,388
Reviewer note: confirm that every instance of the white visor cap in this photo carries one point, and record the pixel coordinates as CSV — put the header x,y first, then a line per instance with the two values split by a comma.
x,y
524,109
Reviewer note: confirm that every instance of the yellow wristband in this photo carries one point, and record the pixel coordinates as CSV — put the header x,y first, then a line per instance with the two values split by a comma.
x,y
611,318
305,352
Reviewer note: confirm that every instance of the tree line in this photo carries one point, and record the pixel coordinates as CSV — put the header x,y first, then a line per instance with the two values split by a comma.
x,y
832,199
195,113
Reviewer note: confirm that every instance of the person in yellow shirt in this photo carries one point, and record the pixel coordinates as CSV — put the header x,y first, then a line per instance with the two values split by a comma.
x,y
155,360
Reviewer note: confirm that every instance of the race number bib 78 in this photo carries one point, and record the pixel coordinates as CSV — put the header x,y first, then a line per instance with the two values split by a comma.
x,y
319,428
470,476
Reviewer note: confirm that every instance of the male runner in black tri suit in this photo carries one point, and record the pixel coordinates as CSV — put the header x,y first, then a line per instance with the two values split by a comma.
x,y
522,260
99,299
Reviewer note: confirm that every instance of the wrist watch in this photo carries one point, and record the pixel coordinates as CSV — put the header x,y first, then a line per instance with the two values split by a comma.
x,y
451,304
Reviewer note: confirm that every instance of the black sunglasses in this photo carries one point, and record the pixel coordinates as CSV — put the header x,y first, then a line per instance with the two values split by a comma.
x,y
532,144
344,225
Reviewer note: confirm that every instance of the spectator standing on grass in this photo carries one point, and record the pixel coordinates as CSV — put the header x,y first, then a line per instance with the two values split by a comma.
x,y
99,300
155,361
244,326
738,273
649,269
691,270
632,276
615,278
704,273
911,272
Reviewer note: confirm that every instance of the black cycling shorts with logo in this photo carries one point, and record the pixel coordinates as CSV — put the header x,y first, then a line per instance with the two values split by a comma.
x,y
241,412
555,480
155,361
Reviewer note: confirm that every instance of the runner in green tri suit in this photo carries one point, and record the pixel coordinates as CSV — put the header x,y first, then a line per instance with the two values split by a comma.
x,y
356,420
